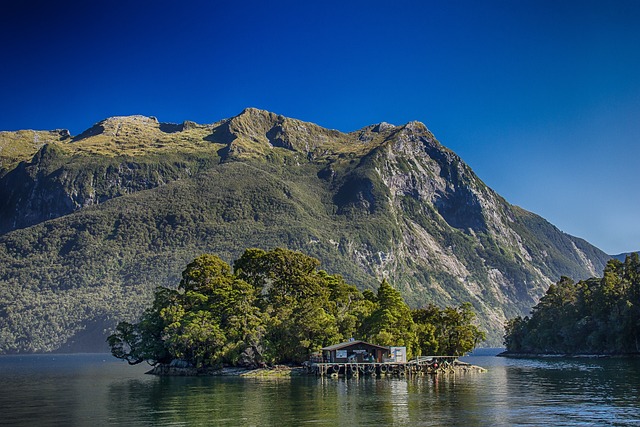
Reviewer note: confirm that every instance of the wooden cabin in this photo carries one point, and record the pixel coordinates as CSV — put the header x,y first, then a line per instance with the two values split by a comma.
x,y
356,352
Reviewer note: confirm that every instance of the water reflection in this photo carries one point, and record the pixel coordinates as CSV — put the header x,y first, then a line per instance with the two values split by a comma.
x,y
512,393
429,400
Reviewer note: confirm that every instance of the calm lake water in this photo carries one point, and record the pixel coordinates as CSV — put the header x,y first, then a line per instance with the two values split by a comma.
x,y
97,390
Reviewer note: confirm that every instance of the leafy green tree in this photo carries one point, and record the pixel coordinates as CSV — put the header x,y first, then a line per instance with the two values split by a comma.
x,y
346,304
302,317
125,343
515,332
223,317
449,331
457,332
142,341
211,319
426,320
194,336
598,315
391,323
274,307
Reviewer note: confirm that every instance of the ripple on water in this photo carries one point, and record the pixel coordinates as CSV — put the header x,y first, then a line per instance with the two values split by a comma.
x,y
97,390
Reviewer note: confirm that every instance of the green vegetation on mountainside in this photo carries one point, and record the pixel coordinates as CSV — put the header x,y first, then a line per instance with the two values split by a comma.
x,y
552,249
119,210
109,258
21,146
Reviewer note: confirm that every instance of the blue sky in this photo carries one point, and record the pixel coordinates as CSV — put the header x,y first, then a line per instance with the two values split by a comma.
x,y
540,98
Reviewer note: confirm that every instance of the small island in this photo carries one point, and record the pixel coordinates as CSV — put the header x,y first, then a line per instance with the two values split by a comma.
x,y
595,317
276,309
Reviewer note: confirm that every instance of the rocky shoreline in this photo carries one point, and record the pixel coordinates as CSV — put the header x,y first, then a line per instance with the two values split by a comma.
x,y
462,367
278,371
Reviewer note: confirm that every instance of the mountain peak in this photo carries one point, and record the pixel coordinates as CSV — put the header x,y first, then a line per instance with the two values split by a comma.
x,y
255,131
382,126
252,111
253,119
113,126
135,118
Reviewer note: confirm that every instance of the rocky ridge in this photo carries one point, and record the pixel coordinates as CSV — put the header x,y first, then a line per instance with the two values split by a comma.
x,y
105,216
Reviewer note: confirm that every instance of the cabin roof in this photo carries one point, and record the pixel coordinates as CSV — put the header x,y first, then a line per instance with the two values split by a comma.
x,y
352,343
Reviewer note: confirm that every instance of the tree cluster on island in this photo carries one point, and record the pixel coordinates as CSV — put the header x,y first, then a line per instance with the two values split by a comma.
x,y
597,316
278,307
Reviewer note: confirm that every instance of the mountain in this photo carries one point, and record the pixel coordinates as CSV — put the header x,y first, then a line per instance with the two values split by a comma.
x,y
91,224
623,256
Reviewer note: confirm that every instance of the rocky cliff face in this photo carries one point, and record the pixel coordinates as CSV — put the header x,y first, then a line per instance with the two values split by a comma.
x,y
97,221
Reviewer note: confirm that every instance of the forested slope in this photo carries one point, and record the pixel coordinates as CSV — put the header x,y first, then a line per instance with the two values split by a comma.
x,y
92,224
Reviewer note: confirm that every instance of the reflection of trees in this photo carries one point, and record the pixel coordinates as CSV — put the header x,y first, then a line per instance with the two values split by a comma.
x,y
242,401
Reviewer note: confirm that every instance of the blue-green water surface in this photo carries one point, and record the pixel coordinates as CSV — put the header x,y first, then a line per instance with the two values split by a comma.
x,y
97,390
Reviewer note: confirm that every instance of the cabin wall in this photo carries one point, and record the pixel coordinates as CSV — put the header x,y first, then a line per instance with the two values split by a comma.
x,y
356,353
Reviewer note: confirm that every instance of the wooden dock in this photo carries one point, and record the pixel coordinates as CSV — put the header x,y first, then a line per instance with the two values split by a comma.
x,y
420,366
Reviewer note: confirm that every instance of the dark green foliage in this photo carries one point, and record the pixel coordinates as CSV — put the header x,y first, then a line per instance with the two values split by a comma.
x,y
594,316
391,323
210,320
275,307
451,331
296,299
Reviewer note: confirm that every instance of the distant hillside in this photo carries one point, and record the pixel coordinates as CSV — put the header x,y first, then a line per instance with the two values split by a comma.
x,y
91,224
623,256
